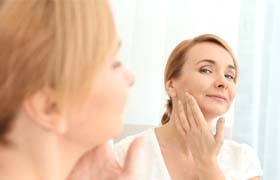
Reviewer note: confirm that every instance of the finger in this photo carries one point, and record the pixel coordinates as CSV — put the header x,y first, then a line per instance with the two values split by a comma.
x,y
196,111
179,127
178,122
88,164
219,136
103,157
175,105
103,151
189,113
133,157
99,162
184,123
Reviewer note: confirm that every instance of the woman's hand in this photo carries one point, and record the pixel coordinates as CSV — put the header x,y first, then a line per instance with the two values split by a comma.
x,y
101,164
203,145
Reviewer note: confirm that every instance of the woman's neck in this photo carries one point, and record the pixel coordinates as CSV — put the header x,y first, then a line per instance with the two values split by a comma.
x,y
170,138
37,154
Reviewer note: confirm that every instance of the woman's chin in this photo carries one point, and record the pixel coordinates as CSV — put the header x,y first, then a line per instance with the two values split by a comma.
x,y
212,114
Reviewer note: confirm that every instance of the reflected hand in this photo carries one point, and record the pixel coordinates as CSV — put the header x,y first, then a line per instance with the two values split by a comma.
x,y
100,163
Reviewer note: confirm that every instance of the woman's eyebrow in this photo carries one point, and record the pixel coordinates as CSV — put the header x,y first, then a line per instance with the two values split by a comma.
x,y
206,60
231,67
214,62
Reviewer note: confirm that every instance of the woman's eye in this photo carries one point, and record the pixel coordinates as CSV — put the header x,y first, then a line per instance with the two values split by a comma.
x,y
228,76
205,70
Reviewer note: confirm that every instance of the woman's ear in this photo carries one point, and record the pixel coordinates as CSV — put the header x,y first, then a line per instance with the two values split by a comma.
x,y
169,86
42,109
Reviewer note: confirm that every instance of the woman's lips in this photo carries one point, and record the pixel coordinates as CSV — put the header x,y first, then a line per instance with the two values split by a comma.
x,y
217,97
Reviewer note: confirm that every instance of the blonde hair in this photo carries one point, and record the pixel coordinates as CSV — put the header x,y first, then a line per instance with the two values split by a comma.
x,y
59,44
178,58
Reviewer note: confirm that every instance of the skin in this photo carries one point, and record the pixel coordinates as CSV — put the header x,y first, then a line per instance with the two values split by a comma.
x,y
105,105
214,70
187,140
51,144
100,162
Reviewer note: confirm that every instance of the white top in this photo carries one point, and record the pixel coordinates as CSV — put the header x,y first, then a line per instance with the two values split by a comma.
x,y
237,161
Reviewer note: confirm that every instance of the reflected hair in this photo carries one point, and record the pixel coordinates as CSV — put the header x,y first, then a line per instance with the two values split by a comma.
x,y
59,44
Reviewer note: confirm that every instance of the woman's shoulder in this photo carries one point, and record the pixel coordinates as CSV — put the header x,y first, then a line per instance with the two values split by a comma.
x,y
126,141
150,150
235,147
121,147
232,150
151,158
239,159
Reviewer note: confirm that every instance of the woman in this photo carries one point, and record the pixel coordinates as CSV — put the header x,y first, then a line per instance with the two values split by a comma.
x,y
200,79
62,91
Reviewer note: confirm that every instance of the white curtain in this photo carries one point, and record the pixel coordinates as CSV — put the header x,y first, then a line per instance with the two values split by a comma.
x,y
257,107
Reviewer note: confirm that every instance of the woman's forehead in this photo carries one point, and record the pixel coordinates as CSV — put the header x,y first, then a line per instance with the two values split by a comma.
x,y
207,52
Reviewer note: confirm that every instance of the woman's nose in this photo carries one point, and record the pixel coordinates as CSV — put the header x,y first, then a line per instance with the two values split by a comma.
x,y
221,82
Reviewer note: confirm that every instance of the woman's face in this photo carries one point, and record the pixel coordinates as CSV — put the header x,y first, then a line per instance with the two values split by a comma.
x,y
100,116
208,74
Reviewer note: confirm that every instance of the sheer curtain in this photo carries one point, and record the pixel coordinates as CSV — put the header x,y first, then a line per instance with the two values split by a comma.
x,y
257,107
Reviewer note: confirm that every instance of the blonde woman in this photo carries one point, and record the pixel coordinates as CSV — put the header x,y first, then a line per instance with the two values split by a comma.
x,y
200,79
62,91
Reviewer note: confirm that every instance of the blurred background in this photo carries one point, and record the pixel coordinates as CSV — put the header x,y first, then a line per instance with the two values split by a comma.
x,y
150,29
